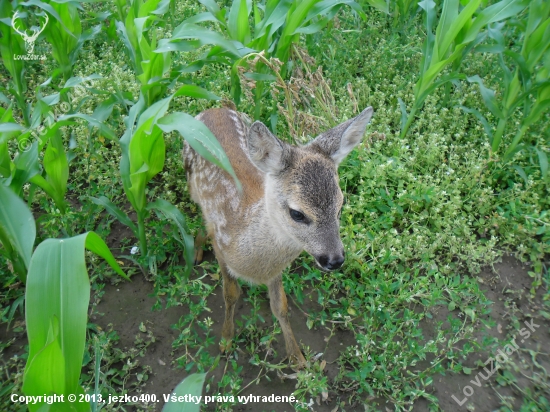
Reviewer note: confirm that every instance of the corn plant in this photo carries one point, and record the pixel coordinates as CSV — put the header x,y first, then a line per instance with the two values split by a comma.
x,y
140,40
11,45
17,231
380,5
455,30
56,305
143,151
56,300
25,167
277,25
64,32
403,12
526,88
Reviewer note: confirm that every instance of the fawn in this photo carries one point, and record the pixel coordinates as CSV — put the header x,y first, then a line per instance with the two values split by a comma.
x,y
290,201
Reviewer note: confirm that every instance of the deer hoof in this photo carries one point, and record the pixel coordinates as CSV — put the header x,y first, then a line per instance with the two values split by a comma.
x,y
225,345
298,361
198,256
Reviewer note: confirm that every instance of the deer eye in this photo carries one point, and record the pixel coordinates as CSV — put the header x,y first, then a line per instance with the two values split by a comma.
x,y
297,216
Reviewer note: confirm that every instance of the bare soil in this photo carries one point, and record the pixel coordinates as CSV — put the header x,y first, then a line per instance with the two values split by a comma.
x,y
129,304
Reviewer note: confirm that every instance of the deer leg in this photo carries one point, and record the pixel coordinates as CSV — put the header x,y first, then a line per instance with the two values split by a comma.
x,y
279,307
200,241
231,292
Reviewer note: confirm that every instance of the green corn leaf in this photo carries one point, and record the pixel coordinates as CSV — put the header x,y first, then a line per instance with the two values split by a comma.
x,y
197,92
380,5
45,372
10,46
213,8
543,162
496,12
447,34
274,18
162,7
95,244
57,297
147,153
481,118
435,84
56,166
103,129
319,25
77,80
536,44
201,17
173,213
191,385
536,112
404,114
261,77
522,173
200,138
10,127
427,49
129,47
17,223
203,35
488,96
43,184
125,144
47,134
5,163
168,45
295,18
52,12
449,14
26,166
329,8
238,20
114,211
143,152
257,16
538,12
153,112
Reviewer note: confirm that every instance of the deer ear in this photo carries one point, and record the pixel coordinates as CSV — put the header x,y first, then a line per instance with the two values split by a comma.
x,y
265,150
339,141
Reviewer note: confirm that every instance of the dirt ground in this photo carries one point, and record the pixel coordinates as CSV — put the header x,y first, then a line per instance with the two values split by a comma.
x,y
509,276
129,304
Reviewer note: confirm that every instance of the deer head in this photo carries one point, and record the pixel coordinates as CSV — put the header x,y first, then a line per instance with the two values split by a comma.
x,y
29,39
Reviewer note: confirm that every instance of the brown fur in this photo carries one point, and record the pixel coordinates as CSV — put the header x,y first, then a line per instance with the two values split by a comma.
x,y
255,232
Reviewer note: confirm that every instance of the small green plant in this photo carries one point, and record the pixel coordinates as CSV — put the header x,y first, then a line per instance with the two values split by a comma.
x,y
527,88
65,35
56,299
139,36
403,12
17,231
56,309
11,45
143,155
455,30
277,26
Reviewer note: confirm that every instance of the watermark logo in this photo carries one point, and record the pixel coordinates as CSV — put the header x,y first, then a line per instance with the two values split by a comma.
x,y
60,108
29,39
496,362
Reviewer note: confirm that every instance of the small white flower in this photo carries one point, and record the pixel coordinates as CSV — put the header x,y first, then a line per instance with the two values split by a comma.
x,y
134,250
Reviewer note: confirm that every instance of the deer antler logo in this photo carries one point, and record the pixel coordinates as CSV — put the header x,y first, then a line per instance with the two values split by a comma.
x,y
29,39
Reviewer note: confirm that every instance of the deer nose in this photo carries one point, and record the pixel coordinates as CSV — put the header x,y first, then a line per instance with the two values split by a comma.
x,y
331,262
